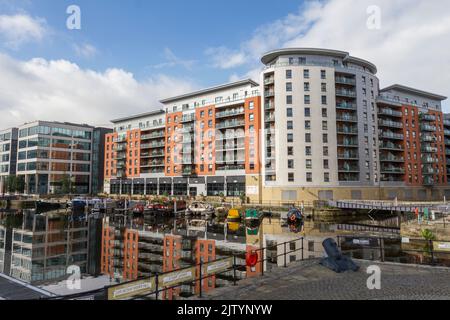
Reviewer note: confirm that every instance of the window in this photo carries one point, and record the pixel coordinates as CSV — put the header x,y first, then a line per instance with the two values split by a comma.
x,y
323,74
288,74
324,99
308,125
307,112
289,99
326,177
324,112
290,137
325,138
290,151
324,125
308,164
289,112
309,177
308,151
326,164
290,164
307,99
306,86
290,125
324,87
325,151
288,86
290,177
308,137
306,74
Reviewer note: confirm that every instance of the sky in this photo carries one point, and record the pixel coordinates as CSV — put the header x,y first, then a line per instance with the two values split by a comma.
x,y
129,54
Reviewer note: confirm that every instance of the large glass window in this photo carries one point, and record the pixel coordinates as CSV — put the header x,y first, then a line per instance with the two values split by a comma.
x,y
33,131
215,189
32,154
61,132
44,142
81,145
32,143
22,144
22,155
235,189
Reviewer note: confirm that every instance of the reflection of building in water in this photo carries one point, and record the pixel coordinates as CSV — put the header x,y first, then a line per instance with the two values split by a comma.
x,y
44,246
182,252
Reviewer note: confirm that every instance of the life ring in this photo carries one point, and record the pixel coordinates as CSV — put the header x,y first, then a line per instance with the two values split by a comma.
x,y
252,259
293,218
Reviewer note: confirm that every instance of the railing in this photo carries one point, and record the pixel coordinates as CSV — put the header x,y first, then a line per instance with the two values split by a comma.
x,y
391,135
345,93
230,124
344,80
230,113
346,106
393,124
346,118
390,112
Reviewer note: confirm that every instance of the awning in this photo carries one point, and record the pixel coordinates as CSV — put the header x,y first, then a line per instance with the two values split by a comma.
x,y
114,181
215,179
139,181
151,181
165,180
180,181
127,182
237,179
199,180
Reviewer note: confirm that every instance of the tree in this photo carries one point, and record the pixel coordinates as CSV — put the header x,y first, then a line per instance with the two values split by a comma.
x,y
10,184
66,184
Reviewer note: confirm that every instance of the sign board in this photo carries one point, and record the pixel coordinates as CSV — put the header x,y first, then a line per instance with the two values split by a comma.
x,y
252,190
131,289
366,242
176,277
441,246
405,240
218,266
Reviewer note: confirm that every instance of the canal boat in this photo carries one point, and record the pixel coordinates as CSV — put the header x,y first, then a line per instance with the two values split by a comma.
x,y
233,215
253,219
200,209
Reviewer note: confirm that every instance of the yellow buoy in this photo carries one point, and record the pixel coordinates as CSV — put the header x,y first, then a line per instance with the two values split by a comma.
x,y
233,215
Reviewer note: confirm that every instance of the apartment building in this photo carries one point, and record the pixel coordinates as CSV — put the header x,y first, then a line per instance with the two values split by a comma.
x,y
47,152
318,127
205,142
8,156
42,248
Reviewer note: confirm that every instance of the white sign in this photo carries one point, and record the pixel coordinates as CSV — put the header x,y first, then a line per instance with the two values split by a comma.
x,y
252,190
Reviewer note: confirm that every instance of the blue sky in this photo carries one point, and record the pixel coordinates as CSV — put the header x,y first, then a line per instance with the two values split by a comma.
x,y
130,54
135,34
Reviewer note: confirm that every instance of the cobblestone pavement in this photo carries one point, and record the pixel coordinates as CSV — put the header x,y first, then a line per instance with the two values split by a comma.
x,y
308,280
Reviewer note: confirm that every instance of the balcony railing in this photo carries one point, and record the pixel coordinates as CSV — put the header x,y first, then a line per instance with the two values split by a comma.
x,y
153,136
428,138
269,106
426,127
391,146
391,124
346,118
269,118
230,124
428,117
348,143
392,170
391,158
345,80
391,135
347,130
269,81
428,159
348,168
447,132
429,150
348,156
346,93
390,112
346,106
268,94
224,114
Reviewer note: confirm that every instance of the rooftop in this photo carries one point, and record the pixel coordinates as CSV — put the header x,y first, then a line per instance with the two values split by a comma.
x,y
211,90
272,55
138,116
405,89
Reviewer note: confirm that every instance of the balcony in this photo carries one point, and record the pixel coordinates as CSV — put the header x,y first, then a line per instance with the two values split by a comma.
x,y
230,167
429,149
152,164
268,94
152,145
392,135
346,106
428,170
390,124
121,148
391,146
345,93
391,158
269,118
230,147
346,118
348,169
390,112
230,124
347,130
428,138
392,170
269,106
348,143
153,136
152,155
447,123
269,81
428,117
120,156
188,118
428,181
426,127
230,160
447,132
345,80
430,160
230,113
348,156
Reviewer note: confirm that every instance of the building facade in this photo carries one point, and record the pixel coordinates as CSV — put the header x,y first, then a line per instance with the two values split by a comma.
x,y
43,154
317,127
203,143
8,156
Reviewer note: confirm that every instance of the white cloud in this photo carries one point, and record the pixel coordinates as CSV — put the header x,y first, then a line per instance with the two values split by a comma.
x,y
85,50
60,90
412,47
173,61
224,58
18,29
